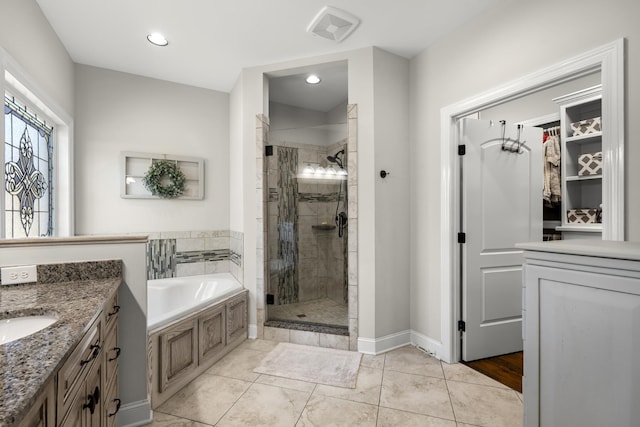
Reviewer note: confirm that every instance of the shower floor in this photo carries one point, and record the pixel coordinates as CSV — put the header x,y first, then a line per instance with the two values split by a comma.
x,y
322,310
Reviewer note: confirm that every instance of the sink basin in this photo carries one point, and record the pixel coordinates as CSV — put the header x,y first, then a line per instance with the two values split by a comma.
x,y
20,327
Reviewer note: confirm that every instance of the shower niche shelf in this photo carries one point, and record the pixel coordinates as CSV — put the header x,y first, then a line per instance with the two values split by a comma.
x,y
135,166
323,227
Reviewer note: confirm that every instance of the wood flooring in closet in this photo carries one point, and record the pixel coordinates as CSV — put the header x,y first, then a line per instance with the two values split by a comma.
x,y
506,369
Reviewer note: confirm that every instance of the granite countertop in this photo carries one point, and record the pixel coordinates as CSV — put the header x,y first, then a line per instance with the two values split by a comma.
x,y
28,363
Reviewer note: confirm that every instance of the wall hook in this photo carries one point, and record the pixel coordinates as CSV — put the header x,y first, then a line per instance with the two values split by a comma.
x,y
384,173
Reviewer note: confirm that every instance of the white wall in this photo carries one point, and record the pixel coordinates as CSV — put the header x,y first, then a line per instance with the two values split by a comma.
x,y
505,43
539,103
391,110
236,152
123,112
27,36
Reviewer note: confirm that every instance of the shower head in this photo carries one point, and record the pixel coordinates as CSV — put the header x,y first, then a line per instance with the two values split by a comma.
x,y
336,158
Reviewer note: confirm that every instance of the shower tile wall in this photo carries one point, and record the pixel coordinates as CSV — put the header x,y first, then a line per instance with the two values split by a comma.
x,y
321,253
189,253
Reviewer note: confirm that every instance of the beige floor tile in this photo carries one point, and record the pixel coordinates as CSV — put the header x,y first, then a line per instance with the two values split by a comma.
x,y
328,412
265,405
463,373
258,345
371,361
239,364
410,360
165,420
485,406
286,383
206,399
368,385
392,418
416,393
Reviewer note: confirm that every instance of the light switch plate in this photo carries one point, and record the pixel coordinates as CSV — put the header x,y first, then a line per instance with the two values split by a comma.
x,y
19,274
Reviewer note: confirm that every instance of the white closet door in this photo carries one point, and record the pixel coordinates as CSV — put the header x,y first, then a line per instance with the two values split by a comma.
x,y
501,206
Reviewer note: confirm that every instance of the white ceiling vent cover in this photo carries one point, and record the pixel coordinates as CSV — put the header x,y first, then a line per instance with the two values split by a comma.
x,y
333,24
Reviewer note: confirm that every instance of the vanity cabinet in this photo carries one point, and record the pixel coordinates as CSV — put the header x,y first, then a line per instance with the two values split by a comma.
x,y
84,392
581,333
43,411
74,372
111,402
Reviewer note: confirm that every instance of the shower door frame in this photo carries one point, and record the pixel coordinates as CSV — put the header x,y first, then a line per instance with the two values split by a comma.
x,y
262,137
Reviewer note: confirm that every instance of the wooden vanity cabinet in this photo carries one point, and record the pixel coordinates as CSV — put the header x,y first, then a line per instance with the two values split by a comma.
x,y
111,403
83,393
74,372
85,408
43,411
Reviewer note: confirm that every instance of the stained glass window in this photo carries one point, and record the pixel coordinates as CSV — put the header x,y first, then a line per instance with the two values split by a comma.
x,y
28,173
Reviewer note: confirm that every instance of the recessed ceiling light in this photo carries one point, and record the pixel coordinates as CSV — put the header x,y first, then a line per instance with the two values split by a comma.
x,y
312,79
157,39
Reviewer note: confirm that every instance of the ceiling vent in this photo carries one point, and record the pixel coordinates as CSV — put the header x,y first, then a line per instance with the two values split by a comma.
x,y
333,24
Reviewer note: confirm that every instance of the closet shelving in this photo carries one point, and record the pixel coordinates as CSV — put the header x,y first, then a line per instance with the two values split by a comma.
x,y
580,191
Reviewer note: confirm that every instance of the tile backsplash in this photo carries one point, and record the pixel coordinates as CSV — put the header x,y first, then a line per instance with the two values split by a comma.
x,y
190,253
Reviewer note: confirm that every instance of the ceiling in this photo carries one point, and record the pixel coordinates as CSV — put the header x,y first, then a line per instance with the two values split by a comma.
x,y
210,41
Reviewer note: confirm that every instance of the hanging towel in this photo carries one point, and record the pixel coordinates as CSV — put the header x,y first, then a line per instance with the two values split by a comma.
x,y
552,189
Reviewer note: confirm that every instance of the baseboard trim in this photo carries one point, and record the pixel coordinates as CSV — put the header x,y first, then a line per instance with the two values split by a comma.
x,y
384,344
253,331
431,346
135,414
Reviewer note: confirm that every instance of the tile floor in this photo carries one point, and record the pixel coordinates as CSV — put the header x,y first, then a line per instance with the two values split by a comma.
x,y
404,387
323,310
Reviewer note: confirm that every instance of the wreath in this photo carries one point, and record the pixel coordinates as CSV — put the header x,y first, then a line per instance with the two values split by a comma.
x,y
155,175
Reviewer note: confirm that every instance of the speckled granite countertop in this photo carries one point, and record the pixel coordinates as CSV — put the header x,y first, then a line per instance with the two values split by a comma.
x,y
28,363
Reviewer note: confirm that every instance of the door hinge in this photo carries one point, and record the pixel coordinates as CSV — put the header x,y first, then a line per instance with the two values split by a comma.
x,y
462,326
462,237
268,150
462,150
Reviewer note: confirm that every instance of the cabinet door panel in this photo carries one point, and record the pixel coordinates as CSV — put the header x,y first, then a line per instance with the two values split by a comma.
x,y
178,352
236,317
211,327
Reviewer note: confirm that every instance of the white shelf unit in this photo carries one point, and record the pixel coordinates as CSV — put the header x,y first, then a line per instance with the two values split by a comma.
x,y
580,192
135,166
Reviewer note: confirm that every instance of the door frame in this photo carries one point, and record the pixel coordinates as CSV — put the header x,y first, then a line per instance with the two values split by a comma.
x,y
609,60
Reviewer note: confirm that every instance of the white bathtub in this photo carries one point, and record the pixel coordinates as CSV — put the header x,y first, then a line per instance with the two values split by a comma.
x,y
174,298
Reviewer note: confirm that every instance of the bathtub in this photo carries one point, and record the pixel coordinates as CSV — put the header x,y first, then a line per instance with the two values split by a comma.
x,y
192,322
174,298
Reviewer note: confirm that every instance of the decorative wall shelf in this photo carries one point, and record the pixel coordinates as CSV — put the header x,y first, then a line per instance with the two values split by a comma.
x,y
135,166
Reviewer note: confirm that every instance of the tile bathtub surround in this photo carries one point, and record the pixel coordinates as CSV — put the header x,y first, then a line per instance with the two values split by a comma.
x,y
188,253
404,387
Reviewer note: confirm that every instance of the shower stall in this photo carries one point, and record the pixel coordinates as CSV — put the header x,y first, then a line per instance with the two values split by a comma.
x,y
306,248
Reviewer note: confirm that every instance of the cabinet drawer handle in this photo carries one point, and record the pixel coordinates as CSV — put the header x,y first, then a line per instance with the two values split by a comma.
x,y
91,404
117,349
117,407
94,354
96,394
116,309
